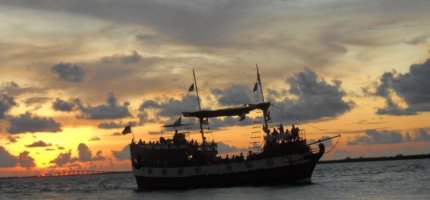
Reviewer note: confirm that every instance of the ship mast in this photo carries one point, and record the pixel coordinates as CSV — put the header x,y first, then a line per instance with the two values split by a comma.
x,y
200,108
262,95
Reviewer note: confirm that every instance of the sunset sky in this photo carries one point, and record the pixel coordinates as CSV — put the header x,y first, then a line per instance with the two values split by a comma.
x,y
74,73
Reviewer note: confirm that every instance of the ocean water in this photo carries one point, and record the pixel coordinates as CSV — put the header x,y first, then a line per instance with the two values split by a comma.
x,y
406,179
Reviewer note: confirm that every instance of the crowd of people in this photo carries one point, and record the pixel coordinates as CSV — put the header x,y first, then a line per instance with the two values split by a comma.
x,y
280,134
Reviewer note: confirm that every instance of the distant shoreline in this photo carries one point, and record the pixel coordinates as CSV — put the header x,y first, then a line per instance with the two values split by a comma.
x,y
36,176
346,160
371,159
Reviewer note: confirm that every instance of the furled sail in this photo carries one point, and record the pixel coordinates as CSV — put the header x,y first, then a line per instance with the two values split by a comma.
x,y
233,111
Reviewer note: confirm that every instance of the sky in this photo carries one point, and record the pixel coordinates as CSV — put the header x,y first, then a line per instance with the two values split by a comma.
x,y
74,73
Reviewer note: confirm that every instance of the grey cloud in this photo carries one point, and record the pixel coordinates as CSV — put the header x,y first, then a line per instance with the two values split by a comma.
x,y
31,123
61,105
12,88
7,159
115,125
62,159
170,108
6,103
421,135
99,156
25,160
111,110
69,72
411,86
39,143
123,154
315,99
86,155
36,100
235,95
149,104
196,22
217,123
373,136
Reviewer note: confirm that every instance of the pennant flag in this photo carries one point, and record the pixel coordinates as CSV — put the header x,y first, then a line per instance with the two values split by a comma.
x,y
127,130
191,88
268,118
177,122
255,87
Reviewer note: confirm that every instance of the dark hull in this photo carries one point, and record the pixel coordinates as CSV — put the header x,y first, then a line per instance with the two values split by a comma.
x,y
273,176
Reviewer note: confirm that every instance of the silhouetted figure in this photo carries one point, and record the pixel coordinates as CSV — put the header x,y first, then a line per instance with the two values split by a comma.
x,y
162,140
281,129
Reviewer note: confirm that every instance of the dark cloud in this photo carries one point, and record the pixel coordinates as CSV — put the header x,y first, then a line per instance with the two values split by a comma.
x,y
39,143
99,156
12,88
373,136
174,107
7,159
235,95
95,138
61,105
31,123
412,87
421,135
69,72
115,125
314,99
195,22
116,134
124,154
6,103
149,104
36,100
25,160
111,110
225,148
62,159
170,108
12,139
85,154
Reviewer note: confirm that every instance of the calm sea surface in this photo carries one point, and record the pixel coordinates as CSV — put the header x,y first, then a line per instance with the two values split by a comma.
x,y
407,179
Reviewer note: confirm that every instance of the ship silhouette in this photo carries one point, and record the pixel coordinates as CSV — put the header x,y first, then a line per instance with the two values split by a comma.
x,y
177,163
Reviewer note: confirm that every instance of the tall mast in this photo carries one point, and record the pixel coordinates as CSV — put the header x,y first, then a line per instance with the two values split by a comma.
x,y
259,83
262,96
197,90
200,108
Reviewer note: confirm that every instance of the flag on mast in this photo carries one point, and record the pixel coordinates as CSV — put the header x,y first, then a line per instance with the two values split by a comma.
x,y
191,88
127,130
255,87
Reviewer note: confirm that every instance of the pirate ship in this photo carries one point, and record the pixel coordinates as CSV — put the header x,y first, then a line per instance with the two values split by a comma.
x,y
177,162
